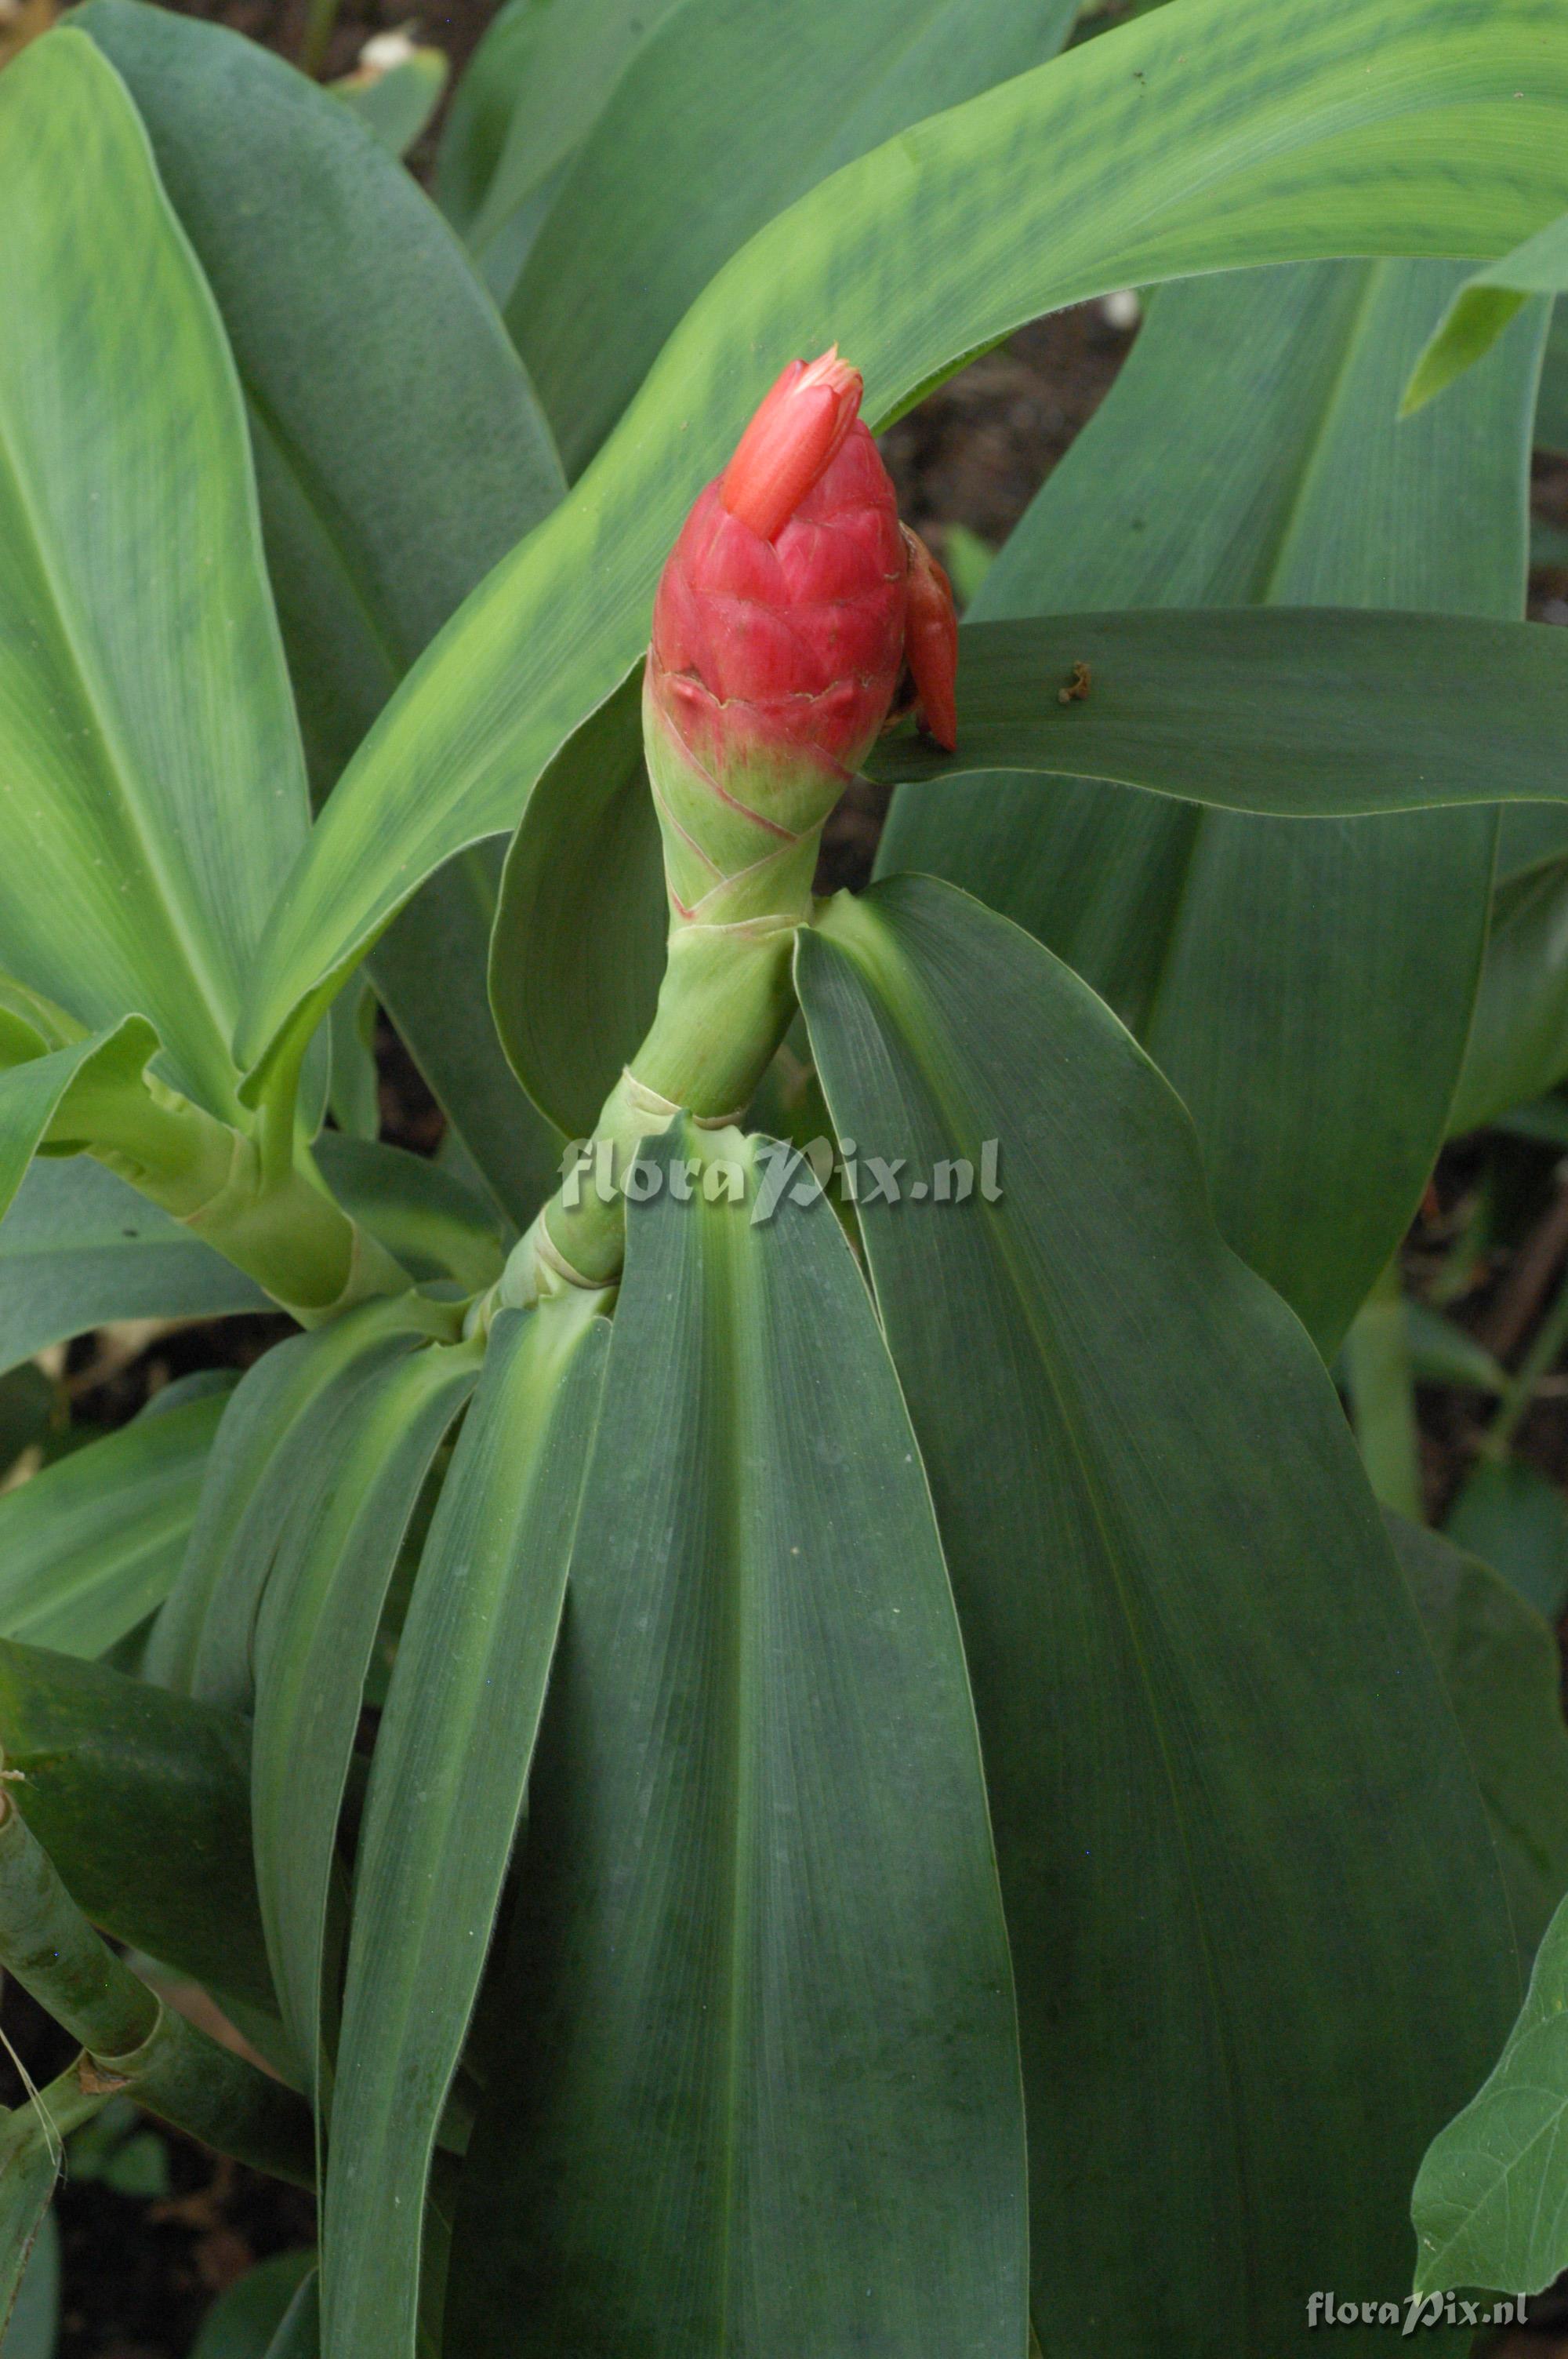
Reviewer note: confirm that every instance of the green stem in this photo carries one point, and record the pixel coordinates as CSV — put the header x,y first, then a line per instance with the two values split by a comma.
x,y
1538,1363
131,2041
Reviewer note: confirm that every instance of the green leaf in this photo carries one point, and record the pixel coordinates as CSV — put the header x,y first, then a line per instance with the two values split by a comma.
x,y
1491,2202
666,187
396,102
79,1247
795,2125
1200,1681
243,2322
578,953
1483,306
1500,1664
157,792
1249,449
33,2331
447,1784
1510,1514
1443,1353
1517,1047
399,451
37,1091
141,1799
1290,712
90,1547
1199,138
436,1228
1551,402
537,81
269,1439
314,1629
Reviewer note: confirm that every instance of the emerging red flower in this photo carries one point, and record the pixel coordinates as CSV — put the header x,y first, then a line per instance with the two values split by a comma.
x,y
786,614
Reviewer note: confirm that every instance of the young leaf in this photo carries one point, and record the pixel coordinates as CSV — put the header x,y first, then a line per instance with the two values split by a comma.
x,y
793,2124
451,1762
1483,306
1199,1677
1195,140
156,793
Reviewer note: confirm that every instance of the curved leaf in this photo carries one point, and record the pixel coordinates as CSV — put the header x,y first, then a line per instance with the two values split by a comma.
x,y
1517,1047
451,1764
436,1228
1199,1678
1195,140
141,1800
665,188
37,1090
1515,1518
399,450
91,1546
156,791
796,2124
314,1627
1485,305
577,952
1280,976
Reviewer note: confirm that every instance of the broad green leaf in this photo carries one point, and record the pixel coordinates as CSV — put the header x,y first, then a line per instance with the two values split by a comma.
x,y
399,450
1516,1518
1491,2202
243,2320
1290,712
666,186
794,2123
1485,305
451,1762
577,951
1518,1037
537,81
1500,1664
267,1441
1200,138
1199,1678
314,1627
90,1547
1281,977
79,1248
1551,403
155,790
436,1228
396,102
141,1800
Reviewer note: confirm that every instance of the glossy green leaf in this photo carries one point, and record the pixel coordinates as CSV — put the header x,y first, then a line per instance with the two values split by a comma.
x,y
243,2320
1199,138
1516,1518
314,1627
1307,990
1500,1664
795,2125
665,188
1485,305
268,1439
157,792
1200,1681
90,1547
1491,2203
536,82
79,1248
399,450
577,952
1518,1037
436,1228
1290,712
141,1799
396,102
451,1762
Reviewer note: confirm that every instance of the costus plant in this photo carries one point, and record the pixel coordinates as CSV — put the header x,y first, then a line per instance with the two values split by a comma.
x,y
782,1718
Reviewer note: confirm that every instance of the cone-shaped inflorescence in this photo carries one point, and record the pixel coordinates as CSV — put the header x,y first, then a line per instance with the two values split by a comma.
x,y
792,611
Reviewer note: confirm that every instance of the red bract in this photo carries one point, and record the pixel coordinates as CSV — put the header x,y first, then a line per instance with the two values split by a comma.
x,y
789,606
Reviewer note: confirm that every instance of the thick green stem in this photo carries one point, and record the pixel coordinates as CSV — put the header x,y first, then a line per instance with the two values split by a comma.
x,y
132,2042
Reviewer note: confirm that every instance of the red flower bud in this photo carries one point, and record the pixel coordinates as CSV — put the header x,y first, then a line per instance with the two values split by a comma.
x,y
781,630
